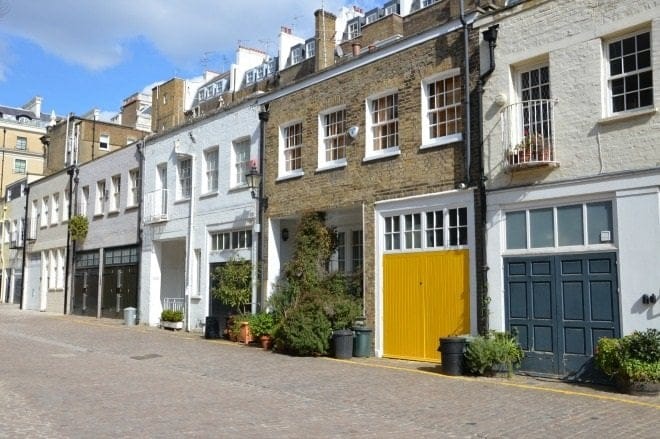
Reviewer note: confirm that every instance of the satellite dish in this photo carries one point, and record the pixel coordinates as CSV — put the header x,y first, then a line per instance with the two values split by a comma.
x,y
353,131
339,51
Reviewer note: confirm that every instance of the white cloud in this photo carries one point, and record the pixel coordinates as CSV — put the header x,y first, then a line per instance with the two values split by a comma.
x,y
94,33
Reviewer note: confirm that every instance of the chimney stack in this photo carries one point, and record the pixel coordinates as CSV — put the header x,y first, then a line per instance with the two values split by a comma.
x,y
325,39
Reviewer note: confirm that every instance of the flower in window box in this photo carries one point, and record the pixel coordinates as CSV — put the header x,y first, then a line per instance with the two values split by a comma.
x,y
533,147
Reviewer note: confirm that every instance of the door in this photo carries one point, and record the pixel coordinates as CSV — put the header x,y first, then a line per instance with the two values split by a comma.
x,y
559,306
119,290
85,294
426,295
217,309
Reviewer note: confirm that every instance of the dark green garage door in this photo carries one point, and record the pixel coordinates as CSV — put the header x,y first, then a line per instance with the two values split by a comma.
x,y
560,306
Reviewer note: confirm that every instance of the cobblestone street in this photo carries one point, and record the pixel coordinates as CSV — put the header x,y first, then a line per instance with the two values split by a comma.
x,y
66,376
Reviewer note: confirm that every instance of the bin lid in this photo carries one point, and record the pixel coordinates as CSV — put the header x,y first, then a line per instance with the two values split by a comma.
x,y
361,329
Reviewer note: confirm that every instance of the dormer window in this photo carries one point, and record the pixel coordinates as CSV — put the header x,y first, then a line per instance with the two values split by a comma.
x,y
249,77
296,54
354,28
391,7
310,49
426,3
371,16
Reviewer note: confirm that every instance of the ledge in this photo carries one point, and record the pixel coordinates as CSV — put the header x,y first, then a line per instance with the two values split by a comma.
x,y
338,164
627,115
290,176
382,155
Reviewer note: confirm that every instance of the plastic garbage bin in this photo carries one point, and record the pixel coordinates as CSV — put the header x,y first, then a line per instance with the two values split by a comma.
x,y
129,316
362,341
212,327
342,341
452,355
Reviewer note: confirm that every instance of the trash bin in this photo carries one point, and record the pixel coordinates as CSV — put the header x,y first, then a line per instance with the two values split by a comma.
x,y
212,327
452,355
129,316
362,341
342,341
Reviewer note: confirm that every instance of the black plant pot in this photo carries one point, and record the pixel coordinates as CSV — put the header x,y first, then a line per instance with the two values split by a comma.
x,y
452,351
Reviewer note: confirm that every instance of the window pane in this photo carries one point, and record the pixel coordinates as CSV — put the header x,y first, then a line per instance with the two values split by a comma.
x,y
569,225
541,228
599,218
516,230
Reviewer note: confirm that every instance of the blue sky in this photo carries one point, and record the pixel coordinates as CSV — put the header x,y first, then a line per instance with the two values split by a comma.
x,y
84,54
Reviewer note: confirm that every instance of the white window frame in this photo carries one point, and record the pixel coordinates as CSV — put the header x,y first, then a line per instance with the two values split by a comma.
x,y
637,72
372,153
296,54
55,208
115,187
211,157
414,238
353,29
240,161
427,3
236,239
99,202
45,202
310,49
184,177
65,207
336,138
104,139
285,148
20,169
426,111
84,201
21,143
133,187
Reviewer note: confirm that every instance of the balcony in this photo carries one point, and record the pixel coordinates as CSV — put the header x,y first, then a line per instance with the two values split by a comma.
x,y
155,206
528,138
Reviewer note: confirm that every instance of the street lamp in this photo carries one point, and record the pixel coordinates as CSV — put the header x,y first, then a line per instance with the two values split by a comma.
x,y
253,179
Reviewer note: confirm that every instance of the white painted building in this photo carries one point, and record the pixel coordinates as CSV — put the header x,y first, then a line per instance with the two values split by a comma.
x,y
105,273
45,266
197,210
572,162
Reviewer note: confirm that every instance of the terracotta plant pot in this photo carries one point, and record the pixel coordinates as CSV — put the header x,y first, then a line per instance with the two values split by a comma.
x,y
244,336
266,342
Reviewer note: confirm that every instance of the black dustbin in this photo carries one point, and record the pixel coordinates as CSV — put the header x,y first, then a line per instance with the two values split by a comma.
x,y
452,350
211,327
362,341
342,342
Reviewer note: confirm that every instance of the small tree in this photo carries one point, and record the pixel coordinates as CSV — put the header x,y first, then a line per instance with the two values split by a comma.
x,y
233,282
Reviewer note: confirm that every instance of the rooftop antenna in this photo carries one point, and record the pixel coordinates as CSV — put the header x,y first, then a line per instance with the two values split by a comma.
x,y
266,43
295,21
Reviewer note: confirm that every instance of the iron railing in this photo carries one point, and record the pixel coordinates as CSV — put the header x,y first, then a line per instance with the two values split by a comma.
x,y
528,137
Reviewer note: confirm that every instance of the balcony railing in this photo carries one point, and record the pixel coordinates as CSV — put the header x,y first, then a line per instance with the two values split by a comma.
x,y
174,303
155,206
528,137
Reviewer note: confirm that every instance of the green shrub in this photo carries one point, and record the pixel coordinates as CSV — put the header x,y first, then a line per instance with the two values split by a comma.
x,y
635,357
169,315
309,302
78,227
262,323
304,331
484,355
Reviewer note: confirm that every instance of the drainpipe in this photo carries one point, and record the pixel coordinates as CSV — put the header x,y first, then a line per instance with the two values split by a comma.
x,y
490,36
4,217
466,81
140,150
69,253
27,226
263,119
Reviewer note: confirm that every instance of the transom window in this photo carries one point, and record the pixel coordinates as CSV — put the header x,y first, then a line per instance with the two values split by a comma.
x,y
571,225
292,147
435,229
232,240
334,135
185,177
630,74
443,109
384,123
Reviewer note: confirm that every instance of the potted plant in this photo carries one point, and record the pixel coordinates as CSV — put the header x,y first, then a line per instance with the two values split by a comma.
x,y
493,354
261,327
240,330
233,288
632,361
171,319
532,148
78,227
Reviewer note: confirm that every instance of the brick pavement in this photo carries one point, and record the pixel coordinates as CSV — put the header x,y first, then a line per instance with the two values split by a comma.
x,y
65,376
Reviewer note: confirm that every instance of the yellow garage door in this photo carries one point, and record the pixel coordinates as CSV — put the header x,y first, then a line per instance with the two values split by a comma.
x,y
425,296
